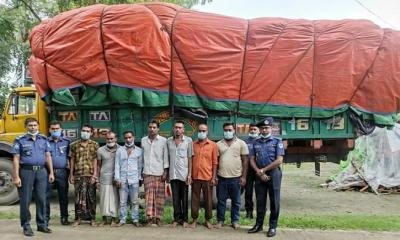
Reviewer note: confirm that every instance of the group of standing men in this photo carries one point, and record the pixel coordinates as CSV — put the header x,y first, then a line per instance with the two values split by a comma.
x,y
43,163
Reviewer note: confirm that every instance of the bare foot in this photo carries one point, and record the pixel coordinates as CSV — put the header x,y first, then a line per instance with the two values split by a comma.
x,y
209,225
76,223
193,225
218,225
174,224
93,223
149,222
114,224
235,226
102,223
158,222
136,224
120,224
185,225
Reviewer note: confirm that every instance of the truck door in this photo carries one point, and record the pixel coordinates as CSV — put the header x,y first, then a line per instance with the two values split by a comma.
x,y
22,105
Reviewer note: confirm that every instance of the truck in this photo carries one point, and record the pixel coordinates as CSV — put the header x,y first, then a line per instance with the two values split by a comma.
x,y
304,140
104,66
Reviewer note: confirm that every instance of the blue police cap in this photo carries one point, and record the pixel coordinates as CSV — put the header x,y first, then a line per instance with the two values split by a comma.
x,y
266,122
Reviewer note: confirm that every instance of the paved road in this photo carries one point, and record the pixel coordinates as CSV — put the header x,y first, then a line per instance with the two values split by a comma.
x,y
9,229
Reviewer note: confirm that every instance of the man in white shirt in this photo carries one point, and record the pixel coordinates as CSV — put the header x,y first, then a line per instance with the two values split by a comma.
x,y
155,170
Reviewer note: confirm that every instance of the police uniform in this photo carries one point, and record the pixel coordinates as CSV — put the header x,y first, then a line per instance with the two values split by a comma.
x,y
265,152
59,155
34,177
251,176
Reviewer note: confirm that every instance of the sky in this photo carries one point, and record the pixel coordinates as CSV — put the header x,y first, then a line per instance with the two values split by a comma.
x,y
385,13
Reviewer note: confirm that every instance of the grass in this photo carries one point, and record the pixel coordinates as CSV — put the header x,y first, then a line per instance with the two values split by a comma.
x,y
343,222
9,215
323,222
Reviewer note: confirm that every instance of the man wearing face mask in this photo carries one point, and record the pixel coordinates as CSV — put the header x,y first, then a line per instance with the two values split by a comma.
x,y
127,175
59,146
265,158
108,190
248,196
83,163
232,171
31,153
180,150
204,174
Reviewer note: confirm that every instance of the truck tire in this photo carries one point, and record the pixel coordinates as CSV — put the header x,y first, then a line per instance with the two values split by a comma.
x,y
8,191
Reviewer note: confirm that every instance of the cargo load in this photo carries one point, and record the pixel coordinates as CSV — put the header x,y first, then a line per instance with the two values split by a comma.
x,y
157,54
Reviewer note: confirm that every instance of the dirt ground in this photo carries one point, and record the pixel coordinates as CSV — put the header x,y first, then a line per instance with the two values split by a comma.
x,y
301,193
10,230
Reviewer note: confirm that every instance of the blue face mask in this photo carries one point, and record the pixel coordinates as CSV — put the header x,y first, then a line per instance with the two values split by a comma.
x,y
228,135
202,135
56,134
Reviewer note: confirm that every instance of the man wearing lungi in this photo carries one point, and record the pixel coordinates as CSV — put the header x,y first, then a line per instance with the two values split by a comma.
x,y
155,169
83,157
108,189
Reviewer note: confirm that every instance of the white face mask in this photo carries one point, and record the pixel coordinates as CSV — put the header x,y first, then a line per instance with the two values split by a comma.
x,y
85,135
111,145
202,135
33,133
253,135
266,136
129,145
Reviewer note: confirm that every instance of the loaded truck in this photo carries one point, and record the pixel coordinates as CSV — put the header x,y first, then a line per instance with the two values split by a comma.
x,y
118,67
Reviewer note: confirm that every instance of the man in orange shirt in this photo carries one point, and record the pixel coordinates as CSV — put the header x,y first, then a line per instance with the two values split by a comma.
x,y
204,174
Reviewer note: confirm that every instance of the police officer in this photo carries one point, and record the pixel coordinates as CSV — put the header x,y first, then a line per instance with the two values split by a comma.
x,y
31,153
59,146
248,195
266,158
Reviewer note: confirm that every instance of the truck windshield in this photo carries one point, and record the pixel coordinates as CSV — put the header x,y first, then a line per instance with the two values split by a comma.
x,y
22,105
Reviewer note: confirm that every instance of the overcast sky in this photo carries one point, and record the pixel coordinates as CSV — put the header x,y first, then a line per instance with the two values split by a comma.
x,y
385,13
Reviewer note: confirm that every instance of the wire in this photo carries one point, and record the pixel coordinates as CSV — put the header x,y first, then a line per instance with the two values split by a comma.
x,y
373,13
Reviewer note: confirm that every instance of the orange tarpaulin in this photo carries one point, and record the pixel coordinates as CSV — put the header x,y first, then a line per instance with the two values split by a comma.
x,y
211,60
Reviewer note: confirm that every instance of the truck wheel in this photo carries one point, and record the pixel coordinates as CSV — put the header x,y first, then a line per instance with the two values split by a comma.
x,y
8,191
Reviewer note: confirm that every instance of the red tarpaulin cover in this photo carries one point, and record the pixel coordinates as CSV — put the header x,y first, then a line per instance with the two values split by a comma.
x,y
261,64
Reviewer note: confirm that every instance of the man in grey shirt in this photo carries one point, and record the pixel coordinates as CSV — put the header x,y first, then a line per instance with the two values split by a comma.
x,y
180,152
155,170
108,190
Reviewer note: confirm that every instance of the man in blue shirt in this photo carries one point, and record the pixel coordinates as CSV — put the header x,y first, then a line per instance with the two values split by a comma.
x,y
31,153
127,175
266,158
251,176
59,146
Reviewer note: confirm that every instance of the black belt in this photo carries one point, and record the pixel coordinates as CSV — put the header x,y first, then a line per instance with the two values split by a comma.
x,y
32,167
